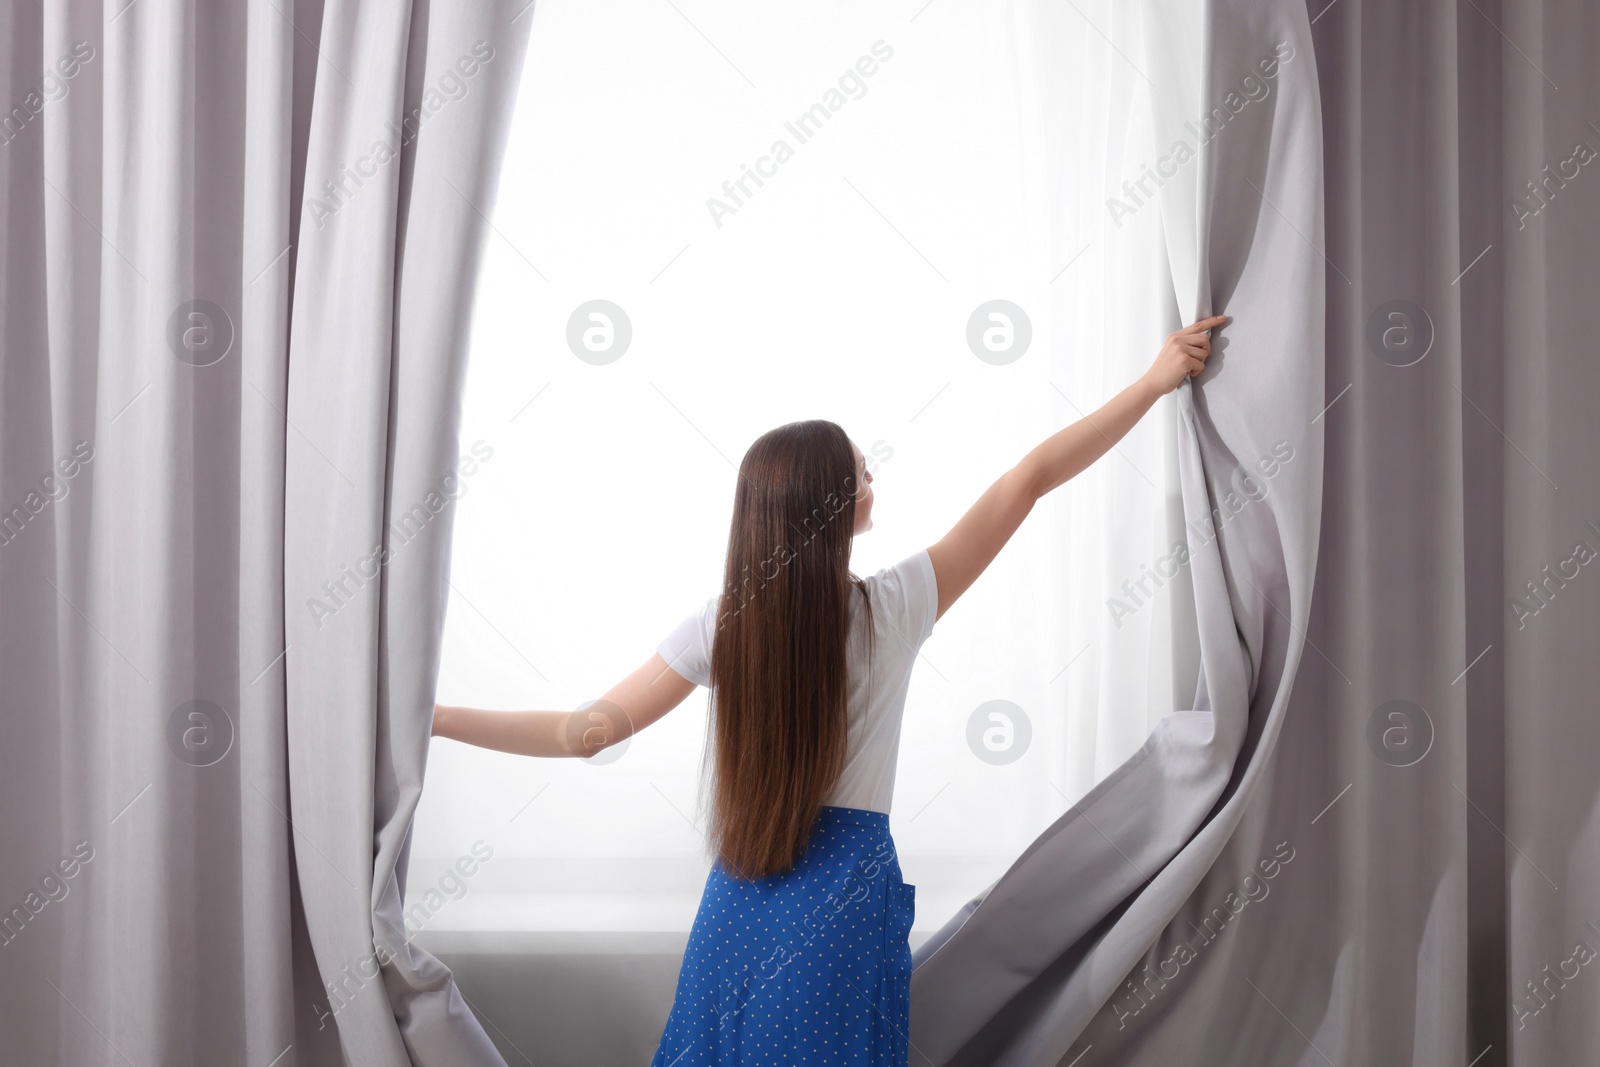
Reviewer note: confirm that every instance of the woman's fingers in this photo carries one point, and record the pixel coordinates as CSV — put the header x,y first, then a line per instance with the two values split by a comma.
x,y
1196,366
1202,325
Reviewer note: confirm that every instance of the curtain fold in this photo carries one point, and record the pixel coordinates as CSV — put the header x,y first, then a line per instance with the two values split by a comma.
x,y
1434,784
1409,865
239,245
379,355
1020,973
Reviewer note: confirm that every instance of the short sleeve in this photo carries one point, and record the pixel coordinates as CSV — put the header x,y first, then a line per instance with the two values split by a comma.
x,y
687,649
908,593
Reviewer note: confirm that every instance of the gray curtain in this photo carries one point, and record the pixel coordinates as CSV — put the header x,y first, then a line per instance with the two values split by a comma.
x,y
239,245
1021,972
1402,865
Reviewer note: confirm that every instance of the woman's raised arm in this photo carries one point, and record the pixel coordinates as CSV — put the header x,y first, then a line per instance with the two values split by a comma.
x,y
974,541
628,707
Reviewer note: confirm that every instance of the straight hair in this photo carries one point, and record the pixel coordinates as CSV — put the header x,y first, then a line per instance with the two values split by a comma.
x,y
779,722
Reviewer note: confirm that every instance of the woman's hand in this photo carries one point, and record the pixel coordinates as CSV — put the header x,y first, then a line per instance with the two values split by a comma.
x,y
1183,355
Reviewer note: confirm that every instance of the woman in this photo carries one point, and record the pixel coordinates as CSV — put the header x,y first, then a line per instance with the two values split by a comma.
x,y
799,950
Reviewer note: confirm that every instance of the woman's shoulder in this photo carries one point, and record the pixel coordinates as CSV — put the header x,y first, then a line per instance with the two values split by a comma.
x,y
906,595
909,576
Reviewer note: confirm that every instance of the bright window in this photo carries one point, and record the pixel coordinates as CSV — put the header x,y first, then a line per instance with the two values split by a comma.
x,y
927,169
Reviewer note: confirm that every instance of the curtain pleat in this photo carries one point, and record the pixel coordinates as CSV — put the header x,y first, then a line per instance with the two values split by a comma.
x,y
233,339
1403,865
1020,974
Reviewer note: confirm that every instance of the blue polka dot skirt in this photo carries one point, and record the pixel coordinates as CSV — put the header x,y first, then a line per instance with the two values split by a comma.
x,y
811,966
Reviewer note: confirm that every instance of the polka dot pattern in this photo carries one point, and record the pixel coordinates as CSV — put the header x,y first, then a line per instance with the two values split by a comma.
x,y
811,966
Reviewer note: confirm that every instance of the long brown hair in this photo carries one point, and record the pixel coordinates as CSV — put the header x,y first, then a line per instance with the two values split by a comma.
x,y
779,723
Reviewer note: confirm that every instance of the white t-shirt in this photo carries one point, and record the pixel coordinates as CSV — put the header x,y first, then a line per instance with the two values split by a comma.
x,y
905,599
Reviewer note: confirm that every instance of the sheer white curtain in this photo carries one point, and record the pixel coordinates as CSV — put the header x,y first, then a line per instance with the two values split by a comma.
x,y
967,156
1128,601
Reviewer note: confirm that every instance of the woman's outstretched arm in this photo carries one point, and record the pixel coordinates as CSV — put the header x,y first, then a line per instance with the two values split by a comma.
x,y
974,541
628,707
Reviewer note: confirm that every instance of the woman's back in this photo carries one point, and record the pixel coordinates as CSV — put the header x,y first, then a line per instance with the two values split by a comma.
x,y
904,602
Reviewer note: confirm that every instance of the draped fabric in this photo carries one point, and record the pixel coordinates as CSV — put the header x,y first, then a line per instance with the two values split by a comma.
x,y
239,245
1409,865
1022,971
